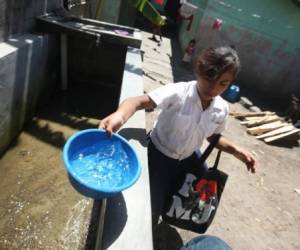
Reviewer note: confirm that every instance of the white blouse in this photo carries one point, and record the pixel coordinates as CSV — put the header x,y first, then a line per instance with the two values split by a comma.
x,y
182,124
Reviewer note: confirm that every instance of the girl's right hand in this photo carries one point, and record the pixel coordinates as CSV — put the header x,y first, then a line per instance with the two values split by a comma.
x,y
112,123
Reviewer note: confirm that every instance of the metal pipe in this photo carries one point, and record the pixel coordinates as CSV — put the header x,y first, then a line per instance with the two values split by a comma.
x,y
99,233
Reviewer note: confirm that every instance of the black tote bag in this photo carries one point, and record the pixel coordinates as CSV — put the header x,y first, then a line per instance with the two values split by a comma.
x,y
196,196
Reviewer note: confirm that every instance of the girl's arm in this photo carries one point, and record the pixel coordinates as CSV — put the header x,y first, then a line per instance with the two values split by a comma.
x,y
126,109
243,155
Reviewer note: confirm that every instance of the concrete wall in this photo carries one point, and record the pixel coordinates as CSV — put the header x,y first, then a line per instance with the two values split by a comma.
x,y
28,64
110,11
118,12
86,9
17,16
127,14
92,64
27,75
266,35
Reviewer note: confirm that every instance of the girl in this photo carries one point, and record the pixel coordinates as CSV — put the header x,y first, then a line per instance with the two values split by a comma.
x,y
189,51
189,113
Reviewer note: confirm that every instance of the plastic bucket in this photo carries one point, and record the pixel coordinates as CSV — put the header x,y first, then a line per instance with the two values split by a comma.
x,y
232,94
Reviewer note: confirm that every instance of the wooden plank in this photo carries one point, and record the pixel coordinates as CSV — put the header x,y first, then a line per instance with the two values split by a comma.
x,y
265,128
240,115
281,136
253,118
276,132
261,121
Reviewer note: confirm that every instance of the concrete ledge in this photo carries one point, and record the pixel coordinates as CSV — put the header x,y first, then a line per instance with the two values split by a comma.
x,y
136,231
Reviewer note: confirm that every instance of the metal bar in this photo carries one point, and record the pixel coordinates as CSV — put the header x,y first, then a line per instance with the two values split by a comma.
x,y
64,61
99,233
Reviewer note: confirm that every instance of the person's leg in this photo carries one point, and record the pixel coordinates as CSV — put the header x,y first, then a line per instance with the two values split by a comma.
x,y
206,242
154,33
194,160
162,171
160,34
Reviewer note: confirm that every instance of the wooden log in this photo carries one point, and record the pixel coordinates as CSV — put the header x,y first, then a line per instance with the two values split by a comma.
x,y
265,128
239,115
278,131
261,121
282,136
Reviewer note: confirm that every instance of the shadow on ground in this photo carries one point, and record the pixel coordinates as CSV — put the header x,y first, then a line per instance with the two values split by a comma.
x,y
74,108
166,238
134,133
116,215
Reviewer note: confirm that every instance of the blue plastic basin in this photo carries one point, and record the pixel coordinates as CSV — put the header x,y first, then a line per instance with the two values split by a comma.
x,y
98,166
232,94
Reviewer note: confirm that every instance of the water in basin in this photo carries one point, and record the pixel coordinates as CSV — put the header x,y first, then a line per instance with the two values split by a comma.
x,y
106,168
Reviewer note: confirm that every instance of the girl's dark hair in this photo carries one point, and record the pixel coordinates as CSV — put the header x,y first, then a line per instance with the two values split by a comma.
x,y
213,62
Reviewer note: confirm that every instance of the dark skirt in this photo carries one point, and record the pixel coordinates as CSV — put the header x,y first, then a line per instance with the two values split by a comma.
x,y
163,172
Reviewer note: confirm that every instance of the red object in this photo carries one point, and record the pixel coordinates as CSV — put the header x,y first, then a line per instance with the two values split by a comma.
x,y
190,18
217,24
159,2
206,188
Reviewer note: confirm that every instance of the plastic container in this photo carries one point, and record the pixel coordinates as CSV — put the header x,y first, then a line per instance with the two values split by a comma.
x,y
88,152
232,94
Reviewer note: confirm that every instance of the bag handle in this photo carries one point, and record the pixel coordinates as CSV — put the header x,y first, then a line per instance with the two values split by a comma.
x,y
208,150
217,159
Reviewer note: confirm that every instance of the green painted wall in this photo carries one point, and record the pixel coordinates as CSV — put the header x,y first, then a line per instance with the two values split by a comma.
x,y
266,35
275,19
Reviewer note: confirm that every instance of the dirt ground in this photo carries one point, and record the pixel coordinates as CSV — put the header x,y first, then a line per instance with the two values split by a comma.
x,y
257,211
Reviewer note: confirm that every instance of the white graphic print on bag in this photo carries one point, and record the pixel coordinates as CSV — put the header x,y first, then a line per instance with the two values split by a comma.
x,y
195,200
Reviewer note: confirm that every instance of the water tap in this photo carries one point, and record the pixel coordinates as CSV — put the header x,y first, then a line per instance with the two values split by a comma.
x,y
98,36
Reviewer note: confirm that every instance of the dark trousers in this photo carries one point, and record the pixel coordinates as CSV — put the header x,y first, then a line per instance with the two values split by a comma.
x,y
163,171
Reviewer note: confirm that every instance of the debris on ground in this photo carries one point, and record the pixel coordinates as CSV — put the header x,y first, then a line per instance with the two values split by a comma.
x,y
245,102
293,110
267,126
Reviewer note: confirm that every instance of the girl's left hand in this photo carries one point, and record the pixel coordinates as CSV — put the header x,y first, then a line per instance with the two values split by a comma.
x,y
247,158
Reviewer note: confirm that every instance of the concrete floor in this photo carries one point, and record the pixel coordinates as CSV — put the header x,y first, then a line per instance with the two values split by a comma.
x,y
259,211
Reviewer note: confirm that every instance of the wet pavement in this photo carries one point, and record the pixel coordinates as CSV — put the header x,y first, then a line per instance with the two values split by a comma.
x,y
39,208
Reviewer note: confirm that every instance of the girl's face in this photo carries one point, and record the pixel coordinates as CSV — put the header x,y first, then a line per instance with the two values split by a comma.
x,y
210,89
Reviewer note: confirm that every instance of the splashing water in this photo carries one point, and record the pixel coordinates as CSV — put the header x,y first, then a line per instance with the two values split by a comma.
x,y
102,165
